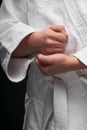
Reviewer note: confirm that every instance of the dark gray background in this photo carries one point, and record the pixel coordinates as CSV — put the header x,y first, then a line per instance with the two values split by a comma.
x,y
11,103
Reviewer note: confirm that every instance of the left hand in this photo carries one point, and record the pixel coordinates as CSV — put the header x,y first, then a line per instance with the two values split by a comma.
x,y
57,63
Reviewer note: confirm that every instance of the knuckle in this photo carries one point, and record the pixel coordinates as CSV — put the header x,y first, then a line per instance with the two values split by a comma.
x,y
49,41
63,38
49,33
63,45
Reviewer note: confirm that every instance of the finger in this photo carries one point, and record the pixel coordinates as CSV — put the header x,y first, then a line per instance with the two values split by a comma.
x,y
44,69
59,36
54,41
65,33
42,59
54,50
57,28
40,64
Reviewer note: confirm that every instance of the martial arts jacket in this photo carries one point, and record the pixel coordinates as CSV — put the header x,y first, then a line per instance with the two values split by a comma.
x,y
56,102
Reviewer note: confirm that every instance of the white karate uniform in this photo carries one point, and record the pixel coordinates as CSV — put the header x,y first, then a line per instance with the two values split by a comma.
x,y
56,102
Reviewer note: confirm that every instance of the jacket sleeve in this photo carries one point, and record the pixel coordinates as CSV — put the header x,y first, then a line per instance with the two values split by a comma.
x,y
82,55
14,26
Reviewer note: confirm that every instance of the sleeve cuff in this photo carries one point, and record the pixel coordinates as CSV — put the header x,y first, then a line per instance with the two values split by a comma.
x,y
17,69
82,55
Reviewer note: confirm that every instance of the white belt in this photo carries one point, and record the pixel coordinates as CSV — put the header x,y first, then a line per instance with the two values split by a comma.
x,y
60,98
60,105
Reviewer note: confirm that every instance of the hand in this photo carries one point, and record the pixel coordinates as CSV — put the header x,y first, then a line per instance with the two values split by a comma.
x,y
58,63
48,41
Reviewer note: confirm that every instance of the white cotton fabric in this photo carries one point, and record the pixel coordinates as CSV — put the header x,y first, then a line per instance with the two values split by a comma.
x,y
52,103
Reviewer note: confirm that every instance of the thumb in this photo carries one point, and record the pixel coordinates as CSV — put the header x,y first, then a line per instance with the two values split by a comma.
x,y
42,59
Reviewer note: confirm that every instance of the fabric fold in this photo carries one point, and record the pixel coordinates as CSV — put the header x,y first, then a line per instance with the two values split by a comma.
x,y
48,110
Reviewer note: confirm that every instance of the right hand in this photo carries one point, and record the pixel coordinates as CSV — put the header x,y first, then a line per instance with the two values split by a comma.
x,y
48,41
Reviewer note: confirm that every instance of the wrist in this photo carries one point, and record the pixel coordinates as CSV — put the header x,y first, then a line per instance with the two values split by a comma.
x,y
75,64
32,43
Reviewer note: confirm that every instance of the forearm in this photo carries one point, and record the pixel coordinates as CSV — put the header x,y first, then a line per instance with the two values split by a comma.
x,y
23,49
